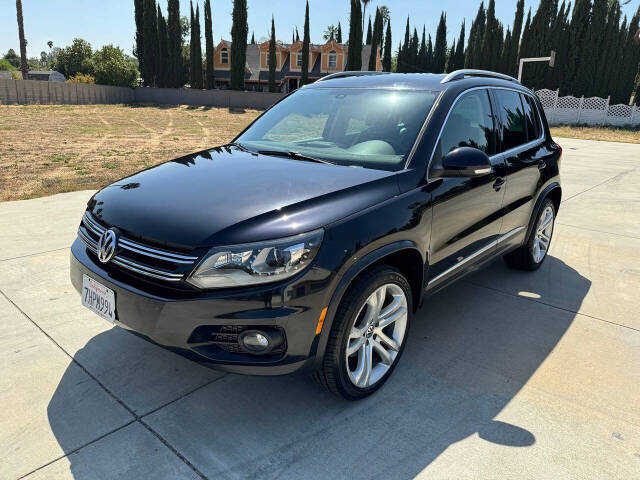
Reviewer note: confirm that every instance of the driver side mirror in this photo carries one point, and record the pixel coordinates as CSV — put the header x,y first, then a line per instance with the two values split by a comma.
x,y
464,162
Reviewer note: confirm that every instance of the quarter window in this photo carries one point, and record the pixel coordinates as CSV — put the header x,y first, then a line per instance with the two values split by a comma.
x,y
532,118
470,124
333,59
512,119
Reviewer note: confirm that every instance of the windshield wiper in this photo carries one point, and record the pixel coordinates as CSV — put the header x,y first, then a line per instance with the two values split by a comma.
x,y
294,155
240,146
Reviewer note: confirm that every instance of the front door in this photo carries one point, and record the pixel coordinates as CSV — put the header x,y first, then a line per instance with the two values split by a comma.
x,y
467,212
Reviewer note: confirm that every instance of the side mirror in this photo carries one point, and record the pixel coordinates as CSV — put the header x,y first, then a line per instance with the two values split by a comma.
x,y
464,162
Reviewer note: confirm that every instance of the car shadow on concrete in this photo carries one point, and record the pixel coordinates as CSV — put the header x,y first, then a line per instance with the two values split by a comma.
x,y
471,349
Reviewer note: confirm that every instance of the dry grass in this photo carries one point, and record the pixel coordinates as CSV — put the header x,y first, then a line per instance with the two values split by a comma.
x,y
605,134
61,148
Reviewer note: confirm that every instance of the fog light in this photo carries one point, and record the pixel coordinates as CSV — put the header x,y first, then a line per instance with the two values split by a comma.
x,y
260,342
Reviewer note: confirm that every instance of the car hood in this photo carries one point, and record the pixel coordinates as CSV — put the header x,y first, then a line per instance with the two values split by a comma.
x,y
227,195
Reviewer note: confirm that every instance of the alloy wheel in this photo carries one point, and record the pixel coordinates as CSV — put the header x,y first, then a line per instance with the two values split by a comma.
x,y
376,335
544,230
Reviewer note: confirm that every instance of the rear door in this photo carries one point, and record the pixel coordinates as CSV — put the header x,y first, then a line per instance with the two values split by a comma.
x,y
466,211
521,147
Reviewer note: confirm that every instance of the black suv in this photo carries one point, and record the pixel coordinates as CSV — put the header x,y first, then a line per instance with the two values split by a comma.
x,y
311,239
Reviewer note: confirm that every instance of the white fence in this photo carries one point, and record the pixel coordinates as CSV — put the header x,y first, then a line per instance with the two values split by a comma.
x,y
586,111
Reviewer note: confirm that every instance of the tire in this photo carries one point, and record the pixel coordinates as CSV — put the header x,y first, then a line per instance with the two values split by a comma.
x,y
531,256
357,324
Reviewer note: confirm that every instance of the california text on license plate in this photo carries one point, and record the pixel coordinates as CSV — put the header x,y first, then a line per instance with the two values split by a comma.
x,y
97,297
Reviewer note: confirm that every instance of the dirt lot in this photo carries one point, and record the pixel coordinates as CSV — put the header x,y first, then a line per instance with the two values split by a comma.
x,y
62,148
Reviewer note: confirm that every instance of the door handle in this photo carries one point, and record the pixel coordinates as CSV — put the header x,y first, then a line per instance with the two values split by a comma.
x,y
497,185
542,165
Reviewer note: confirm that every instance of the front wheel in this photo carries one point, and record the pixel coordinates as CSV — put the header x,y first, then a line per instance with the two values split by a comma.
x,y
531,255
368,334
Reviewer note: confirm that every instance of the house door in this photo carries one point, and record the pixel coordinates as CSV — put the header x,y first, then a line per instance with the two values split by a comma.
x,y
293,84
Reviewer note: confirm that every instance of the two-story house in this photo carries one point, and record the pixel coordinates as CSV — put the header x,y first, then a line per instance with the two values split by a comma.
x,y
323,60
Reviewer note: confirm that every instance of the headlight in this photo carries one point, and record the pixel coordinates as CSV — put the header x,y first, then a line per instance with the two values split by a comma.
x,y
256,263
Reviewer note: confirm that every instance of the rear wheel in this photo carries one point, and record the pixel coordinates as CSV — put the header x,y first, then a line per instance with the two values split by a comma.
x,y
531,255
368,334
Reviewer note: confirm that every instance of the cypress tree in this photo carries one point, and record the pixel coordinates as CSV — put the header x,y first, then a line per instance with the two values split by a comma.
x,y
139,16
459,55
304,79
239,32
577,30
422,54
208,35
514,47
272,57
610,54
451,58
440,47
192,45
630,61
375,41
429,61
413,52
293,37
403,60
526,37
297,35
150,37
354,54
473,58
196,60
386,58
253,38
491,39
585,78
557,42
368,42
163,52
339,35
506,49
174,45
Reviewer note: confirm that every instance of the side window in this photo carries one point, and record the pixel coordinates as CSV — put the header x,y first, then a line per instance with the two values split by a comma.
x,y
532,118
470,124
511,115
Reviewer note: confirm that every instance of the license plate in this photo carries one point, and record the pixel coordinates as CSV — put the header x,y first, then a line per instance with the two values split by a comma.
x,y
100,299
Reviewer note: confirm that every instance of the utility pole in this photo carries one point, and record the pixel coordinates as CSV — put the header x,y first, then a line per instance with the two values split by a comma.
x,y
551,59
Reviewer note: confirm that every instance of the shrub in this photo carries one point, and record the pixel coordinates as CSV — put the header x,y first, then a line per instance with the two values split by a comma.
x,y
6,65
82,78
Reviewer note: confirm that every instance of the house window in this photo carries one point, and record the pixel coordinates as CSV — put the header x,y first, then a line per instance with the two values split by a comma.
x,y
224,56
299,60
333,59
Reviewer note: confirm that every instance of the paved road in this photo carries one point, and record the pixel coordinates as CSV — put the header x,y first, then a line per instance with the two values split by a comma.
x,y
505,375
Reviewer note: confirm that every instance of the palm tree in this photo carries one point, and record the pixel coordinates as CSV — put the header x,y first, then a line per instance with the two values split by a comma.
x,y
330,33
384,13
24,67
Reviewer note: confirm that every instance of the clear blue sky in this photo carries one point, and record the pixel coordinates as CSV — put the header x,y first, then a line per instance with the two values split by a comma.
x,y
101,22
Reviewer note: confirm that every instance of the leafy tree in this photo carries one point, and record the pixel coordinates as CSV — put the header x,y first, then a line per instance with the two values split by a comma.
x,y
7,66
12,58
239,32
175,71
473,58
150,39
24,68
75,58
162,74
304,78
440,47
111,67
208,35
339,34
386,57
272,57
185,28
82,78
354,54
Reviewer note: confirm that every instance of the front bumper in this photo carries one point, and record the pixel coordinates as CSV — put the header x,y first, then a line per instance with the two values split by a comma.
x,y
168,317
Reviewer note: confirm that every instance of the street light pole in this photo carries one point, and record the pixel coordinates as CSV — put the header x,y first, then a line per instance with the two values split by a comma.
x,y
551,59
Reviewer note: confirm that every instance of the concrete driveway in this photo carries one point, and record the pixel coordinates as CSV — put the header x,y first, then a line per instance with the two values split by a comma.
x,y
505,375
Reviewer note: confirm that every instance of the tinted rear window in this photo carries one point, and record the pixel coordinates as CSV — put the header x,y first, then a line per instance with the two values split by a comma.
x,y
532,118
512,118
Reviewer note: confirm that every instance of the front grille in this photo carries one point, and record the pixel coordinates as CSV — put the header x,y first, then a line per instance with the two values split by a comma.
x,y
135,257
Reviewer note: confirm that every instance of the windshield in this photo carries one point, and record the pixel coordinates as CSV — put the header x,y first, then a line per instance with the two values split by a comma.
x,y
373,128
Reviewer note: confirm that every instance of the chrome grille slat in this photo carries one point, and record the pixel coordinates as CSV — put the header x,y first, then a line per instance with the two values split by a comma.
x,y
125,245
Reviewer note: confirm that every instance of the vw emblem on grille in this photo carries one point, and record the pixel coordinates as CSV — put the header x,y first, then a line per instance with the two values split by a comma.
x,y
107,245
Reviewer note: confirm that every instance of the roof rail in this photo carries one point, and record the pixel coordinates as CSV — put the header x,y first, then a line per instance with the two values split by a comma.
x,y
346,74
460,74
